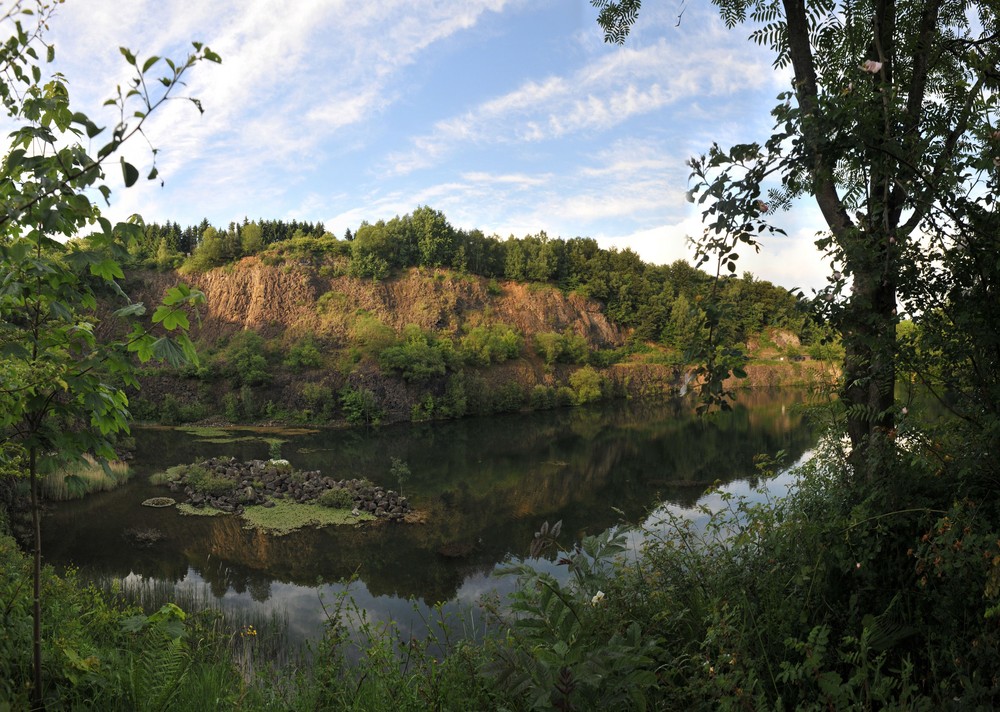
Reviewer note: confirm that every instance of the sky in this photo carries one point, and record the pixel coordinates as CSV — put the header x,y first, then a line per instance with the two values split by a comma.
x,y
510,116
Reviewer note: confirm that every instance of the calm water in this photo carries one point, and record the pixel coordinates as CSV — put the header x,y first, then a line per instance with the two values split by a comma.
x,y
484,484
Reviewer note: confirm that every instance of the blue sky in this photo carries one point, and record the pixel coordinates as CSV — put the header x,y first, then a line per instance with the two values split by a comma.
x,y
511,116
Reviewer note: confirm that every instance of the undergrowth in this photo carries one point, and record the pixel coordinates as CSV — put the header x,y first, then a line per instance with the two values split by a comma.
x,y
832,597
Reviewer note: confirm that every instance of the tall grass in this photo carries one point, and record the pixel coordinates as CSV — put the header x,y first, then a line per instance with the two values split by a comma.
x,y
257,640
77,480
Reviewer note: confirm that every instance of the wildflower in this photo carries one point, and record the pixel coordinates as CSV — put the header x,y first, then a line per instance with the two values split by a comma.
x,y
597,599
904,410
871,66
248,632
857,565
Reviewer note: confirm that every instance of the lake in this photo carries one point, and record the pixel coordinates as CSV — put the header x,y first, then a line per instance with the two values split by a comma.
x,y
485,485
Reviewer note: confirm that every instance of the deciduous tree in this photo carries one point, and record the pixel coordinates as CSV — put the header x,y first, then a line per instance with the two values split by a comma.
x,y
890,127
61,385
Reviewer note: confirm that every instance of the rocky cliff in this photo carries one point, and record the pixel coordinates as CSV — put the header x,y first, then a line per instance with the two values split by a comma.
x,y
291,300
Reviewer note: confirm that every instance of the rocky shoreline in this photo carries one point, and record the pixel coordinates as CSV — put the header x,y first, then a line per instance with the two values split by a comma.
x,y
229,485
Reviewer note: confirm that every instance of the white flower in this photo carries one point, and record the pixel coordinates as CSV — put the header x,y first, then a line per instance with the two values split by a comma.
x,y
905,410
597,599
871,66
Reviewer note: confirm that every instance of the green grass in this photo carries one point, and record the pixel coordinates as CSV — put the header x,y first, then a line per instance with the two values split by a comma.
x,y
172,474
286,517
191,510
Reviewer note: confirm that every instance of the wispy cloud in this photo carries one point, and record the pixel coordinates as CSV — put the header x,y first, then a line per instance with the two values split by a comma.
x,y
605,93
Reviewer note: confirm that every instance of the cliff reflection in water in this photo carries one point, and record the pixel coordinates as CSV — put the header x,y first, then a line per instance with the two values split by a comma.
x,y
484,484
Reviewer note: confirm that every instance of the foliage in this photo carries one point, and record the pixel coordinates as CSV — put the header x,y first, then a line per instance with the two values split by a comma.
x,y
587,385
76,480
567,347
205,482
247,362
419,357
370,665
492,343
63,388
890,127
304,354
565,648
360,406
400,471
336,498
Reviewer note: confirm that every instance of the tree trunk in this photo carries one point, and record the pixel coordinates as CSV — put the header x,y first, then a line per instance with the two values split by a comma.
x,y
36,521
869,370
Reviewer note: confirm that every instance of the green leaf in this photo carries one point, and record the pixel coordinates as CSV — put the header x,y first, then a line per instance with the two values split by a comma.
x,y
107,269
143,347
149,63
137,309
130,173
165,349
171,318
129,57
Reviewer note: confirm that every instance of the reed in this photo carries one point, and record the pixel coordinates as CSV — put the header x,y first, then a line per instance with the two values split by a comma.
x,y
257,640
77,480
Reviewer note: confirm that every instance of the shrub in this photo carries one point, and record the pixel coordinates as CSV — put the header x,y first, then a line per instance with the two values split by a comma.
x,y
567,347
336,498
419,357
495,343
360,406
587,384
247,364
304,354
205,482
543,397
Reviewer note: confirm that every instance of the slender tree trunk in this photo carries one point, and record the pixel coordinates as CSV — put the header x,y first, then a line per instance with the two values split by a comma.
x,y
36,521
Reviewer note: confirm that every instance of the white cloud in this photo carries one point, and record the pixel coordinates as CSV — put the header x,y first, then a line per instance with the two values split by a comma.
x,y
605,93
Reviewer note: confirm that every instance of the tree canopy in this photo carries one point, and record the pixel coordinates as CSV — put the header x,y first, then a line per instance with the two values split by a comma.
x,y
890,127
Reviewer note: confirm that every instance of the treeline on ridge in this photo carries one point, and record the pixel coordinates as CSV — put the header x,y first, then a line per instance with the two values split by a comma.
x,y
661,303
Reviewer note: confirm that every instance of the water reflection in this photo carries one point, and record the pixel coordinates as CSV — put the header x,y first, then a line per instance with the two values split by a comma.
x,y
485,486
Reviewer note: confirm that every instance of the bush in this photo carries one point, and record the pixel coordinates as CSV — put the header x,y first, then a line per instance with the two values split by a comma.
x,y
205,482
247,364
542,397
567,347
587,384
495,343
336,498
360,406
303,355
421,356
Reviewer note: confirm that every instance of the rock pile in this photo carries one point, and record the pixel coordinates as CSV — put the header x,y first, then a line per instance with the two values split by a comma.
x,y
230,485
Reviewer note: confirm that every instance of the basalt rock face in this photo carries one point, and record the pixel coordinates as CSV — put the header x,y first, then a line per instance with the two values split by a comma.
x,y
286,301
260,482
